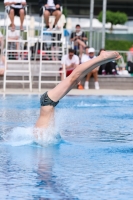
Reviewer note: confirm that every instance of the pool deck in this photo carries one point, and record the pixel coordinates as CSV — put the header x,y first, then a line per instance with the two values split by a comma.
x,y
100,92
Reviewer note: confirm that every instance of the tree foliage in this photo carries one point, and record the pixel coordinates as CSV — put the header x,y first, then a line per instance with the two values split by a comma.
x,y
65,12
114,17
119,45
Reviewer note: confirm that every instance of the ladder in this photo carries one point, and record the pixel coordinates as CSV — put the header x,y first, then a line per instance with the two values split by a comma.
x,y
20,67
59,52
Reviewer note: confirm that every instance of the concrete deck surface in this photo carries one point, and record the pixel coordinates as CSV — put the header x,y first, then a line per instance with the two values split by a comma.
x,y
73,92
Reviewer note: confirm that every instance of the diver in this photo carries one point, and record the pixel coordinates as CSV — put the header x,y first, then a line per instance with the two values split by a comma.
x,y
51,98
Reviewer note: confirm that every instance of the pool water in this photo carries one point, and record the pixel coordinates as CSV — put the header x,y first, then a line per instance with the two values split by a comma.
x,y
93,159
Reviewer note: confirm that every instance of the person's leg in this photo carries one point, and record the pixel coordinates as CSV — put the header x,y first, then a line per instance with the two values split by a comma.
x,y
46,17
57,15
11,15
80,51
22,14
88,76
55,94
86,84
81,45
95,75
80,42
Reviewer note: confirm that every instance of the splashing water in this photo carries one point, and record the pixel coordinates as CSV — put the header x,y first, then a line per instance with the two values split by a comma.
x,y
20,136
46,136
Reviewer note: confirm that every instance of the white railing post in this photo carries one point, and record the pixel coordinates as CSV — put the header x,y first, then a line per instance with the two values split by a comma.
x,y
104,22
91,21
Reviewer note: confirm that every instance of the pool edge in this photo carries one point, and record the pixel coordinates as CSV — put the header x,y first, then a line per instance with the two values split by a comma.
x,y
90,92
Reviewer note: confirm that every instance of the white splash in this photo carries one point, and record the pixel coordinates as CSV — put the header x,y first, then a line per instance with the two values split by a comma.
x,y
46,136
82,104
23,136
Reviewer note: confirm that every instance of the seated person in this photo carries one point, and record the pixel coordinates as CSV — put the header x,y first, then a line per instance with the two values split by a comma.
x,y
52,7
1,41
79,38
90,54
16,8
108,68
71,61
13,35
2,63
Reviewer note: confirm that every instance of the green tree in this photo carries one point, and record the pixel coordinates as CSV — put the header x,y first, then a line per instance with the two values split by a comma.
x,y
65,12
114,18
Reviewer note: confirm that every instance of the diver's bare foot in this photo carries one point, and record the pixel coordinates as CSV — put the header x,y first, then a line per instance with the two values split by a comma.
x,y
112,55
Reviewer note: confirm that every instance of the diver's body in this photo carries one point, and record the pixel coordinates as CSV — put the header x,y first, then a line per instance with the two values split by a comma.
x,y
51,98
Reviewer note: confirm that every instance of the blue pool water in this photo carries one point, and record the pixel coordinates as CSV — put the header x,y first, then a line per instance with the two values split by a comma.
x,y
93,160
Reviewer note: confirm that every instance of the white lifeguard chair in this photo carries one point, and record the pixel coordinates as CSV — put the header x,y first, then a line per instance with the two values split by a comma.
x,y
21,66
50,67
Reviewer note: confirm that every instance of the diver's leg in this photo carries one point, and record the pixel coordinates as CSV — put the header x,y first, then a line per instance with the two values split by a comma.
x,y
46,112
78,73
